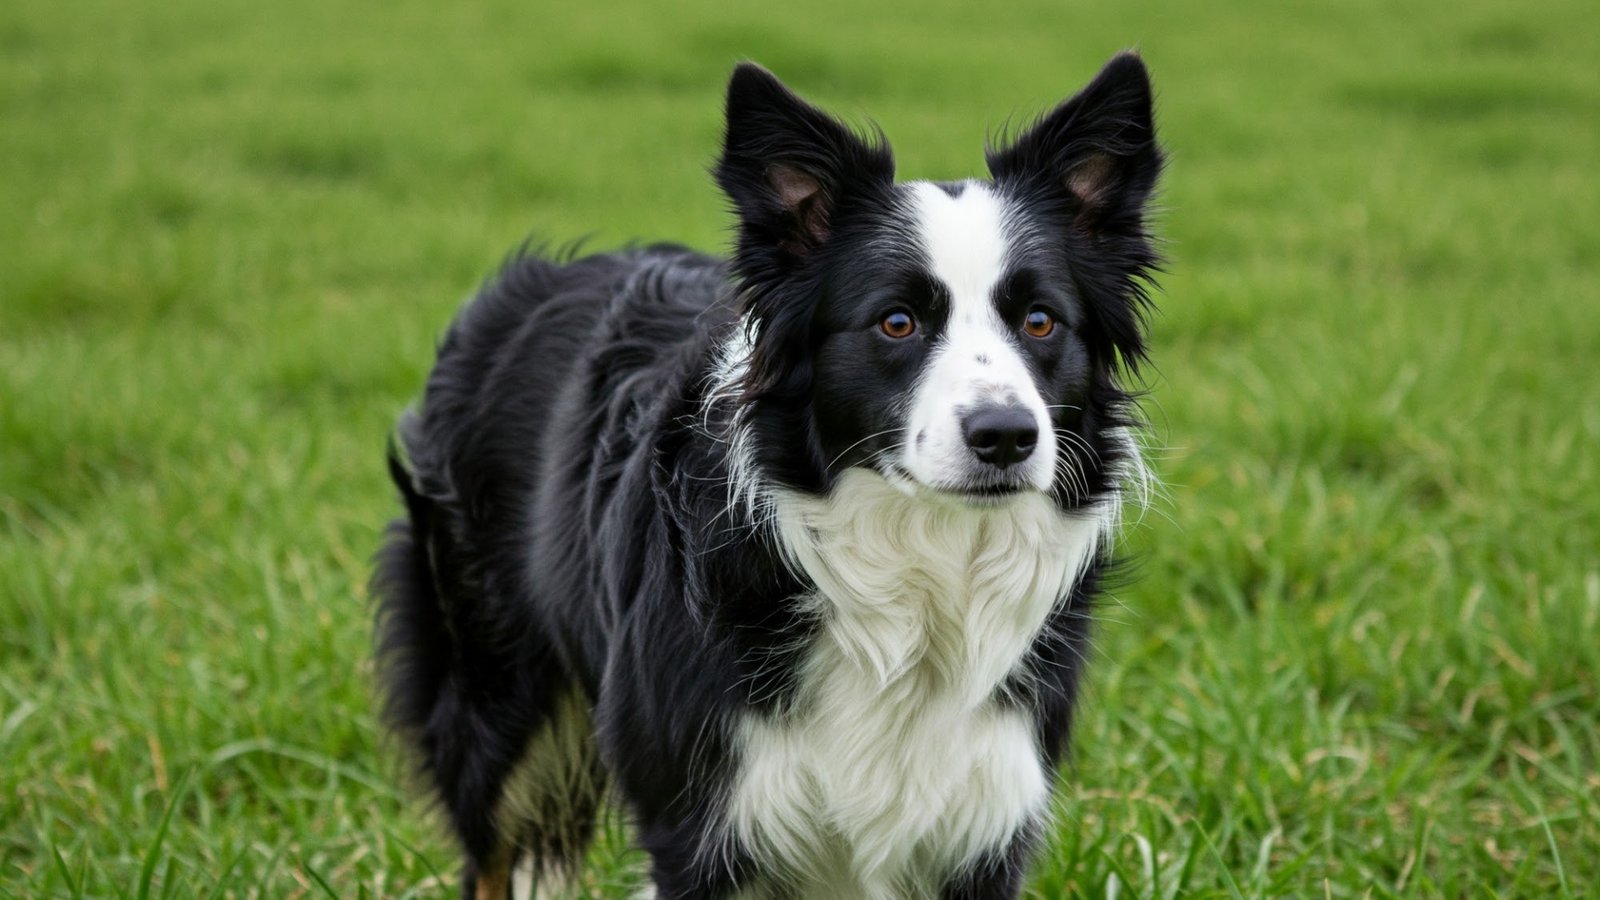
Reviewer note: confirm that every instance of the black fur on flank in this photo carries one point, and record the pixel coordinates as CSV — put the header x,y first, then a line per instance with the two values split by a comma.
x,y
581,608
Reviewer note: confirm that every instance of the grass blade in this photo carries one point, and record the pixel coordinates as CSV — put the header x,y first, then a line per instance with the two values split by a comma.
x,y
147,870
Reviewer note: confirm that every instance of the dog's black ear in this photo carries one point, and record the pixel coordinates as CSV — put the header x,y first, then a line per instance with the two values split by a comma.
x,y
787,166
1097,150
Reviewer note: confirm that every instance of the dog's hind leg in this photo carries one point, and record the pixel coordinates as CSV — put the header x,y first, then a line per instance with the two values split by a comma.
x,y
521,781
552,799
470,752
496,725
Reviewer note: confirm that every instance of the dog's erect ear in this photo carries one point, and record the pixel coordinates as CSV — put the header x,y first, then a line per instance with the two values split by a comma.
x,y
787,166
1097,149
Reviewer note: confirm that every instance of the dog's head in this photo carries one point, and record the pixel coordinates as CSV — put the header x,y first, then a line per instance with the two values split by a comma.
x,y
962,339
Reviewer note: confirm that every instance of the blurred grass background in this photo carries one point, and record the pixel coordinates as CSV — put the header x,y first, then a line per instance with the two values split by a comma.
x,y
1361,657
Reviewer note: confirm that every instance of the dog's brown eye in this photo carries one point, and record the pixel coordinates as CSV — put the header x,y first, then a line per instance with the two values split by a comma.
x,y
1039,324
898,324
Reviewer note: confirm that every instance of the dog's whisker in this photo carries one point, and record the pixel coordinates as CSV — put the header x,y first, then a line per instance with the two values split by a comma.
x,y
842,453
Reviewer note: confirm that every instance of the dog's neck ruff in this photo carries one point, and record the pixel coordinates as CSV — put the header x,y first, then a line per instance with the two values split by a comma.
x,y
912,585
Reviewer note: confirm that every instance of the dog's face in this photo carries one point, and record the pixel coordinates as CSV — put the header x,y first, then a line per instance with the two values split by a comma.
x,y
961,339
946,363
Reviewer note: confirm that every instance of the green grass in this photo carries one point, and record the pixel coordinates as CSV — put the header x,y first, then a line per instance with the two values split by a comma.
x,y
1361,658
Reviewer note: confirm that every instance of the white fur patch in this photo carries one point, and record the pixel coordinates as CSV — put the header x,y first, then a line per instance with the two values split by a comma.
x,y
977,361
525,882
897,767
745,494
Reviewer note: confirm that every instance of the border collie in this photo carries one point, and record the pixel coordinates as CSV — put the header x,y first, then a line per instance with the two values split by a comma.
x,y
790,556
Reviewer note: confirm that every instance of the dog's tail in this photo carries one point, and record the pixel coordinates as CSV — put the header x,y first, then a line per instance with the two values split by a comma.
x,y
413,637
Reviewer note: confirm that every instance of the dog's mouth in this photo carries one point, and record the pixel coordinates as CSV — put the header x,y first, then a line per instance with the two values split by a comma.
x,y
1001,489
971,493
987,494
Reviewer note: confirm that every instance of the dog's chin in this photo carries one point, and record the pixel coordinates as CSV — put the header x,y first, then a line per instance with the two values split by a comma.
x,y
972,493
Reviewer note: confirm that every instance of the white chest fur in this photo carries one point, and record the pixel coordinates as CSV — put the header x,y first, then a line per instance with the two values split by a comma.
x,y
896,766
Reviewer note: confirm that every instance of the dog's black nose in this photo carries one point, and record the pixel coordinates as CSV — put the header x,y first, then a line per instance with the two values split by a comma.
x,y
1001,435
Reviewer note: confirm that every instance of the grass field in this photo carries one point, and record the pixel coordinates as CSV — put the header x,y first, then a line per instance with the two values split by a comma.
x,y
1361,659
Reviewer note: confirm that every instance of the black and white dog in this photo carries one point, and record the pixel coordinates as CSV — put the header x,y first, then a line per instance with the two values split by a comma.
x,y
790,556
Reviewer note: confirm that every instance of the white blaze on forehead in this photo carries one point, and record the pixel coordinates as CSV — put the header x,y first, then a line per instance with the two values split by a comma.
x,y
977,360
964,238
